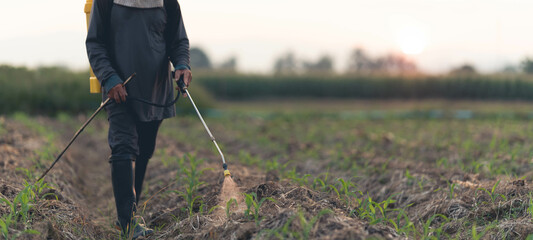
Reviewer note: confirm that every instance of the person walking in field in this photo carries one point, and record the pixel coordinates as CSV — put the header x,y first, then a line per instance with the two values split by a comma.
x,y
143,37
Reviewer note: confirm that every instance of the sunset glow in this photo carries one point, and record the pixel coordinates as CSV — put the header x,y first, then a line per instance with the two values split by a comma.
x,y
411,40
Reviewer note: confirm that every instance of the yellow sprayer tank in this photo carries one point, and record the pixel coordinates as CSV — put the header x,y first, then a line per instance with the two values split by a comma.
x,y
95,85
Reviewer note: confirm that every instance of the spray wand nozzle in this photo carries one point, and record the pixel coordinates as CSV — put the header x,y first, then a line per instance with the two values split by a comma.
x,y
183,89
226,171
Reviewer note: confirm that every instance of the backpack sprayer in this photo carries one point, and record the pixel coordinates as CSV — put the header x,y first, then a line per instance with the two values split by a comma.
x,y
93,81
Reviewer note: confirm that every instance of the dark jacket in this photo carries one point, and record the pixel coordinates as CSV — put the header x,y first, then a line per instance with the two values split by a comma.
x,y
123,40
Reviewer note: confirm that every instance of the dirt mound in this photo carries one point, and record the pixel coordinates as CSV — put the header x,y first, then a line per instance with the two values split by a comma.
x,y
264,209
278,210
445,199
53,209
360,195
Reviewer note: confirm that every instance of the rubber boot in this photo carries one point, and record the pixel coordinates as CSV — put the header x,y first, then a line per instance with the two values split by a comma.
x,y
147,132
122,180
139,229
140,172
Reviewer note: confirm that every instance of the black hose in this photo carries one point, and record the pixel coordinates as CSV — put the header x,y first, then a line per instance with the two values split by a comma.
x,y
108,101
155,104
181,86
169,104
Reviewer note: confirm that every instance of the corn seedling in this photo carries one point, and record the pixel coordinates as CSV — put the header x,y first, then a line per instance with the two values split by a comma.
x,y
202,209
373,211
478,236
20,210
303,232
493,195
451,190
5,225
253,206
442,162
430,233
246,158
307,225
321,183
274,165
403,224
283,232
410,178
192,175
230,203
421,183
383,169
530,206
301,180
164,157
346,192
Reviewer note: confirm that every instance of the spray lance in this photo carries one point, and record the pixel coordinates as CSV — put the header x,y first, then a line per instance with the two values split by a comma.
x,y
184,90
102,105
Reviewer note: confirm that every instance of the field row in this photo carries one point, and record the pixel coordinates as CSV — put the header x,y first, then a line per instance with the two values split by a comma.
x,y
50,90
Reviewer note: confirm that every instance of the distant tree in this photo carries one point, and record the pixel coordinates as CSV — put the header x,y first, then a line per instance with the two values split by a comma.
x,y
395,64
230,65
324,65
199,59
527,66
286,64
360,62
465,69
512,69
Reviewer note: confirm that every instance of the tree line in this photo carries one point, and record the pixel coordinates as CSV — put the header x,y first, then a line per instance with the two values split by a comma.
x,y
359,62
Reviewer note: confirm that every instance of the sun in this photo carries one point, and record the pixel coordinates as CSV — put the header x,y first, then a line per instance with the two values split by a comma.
x,y
412,40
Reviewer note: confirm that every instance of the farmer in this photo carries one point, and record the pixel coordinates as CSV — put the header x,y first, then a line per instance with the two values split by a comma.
x,y
143,37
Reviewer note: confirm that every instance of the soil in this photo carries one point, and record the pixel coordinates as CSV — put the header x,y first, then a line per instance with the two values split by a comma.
x,y
65,213
84,208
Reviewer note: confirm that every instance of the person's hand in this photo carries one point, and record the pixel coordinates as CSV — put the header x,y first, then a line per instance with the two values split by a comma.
x,y
118,93
187,77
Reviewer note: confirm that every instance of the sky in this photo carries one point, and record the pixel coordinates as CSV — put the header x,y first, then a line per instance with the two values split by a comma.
x,y
436,34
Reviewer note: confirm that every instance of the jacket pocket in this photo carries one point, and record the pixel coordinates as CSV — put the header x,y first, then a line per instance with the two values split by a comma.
x,y
157,31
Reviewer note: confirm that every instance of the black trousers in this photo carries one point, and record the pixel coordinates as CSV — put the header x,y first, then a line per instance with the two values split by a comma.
x,y
131,141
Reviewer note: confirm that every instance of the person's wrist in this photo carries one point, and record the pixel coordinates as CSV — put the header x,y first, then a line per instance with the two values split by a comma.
x,y
182,67
111,82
